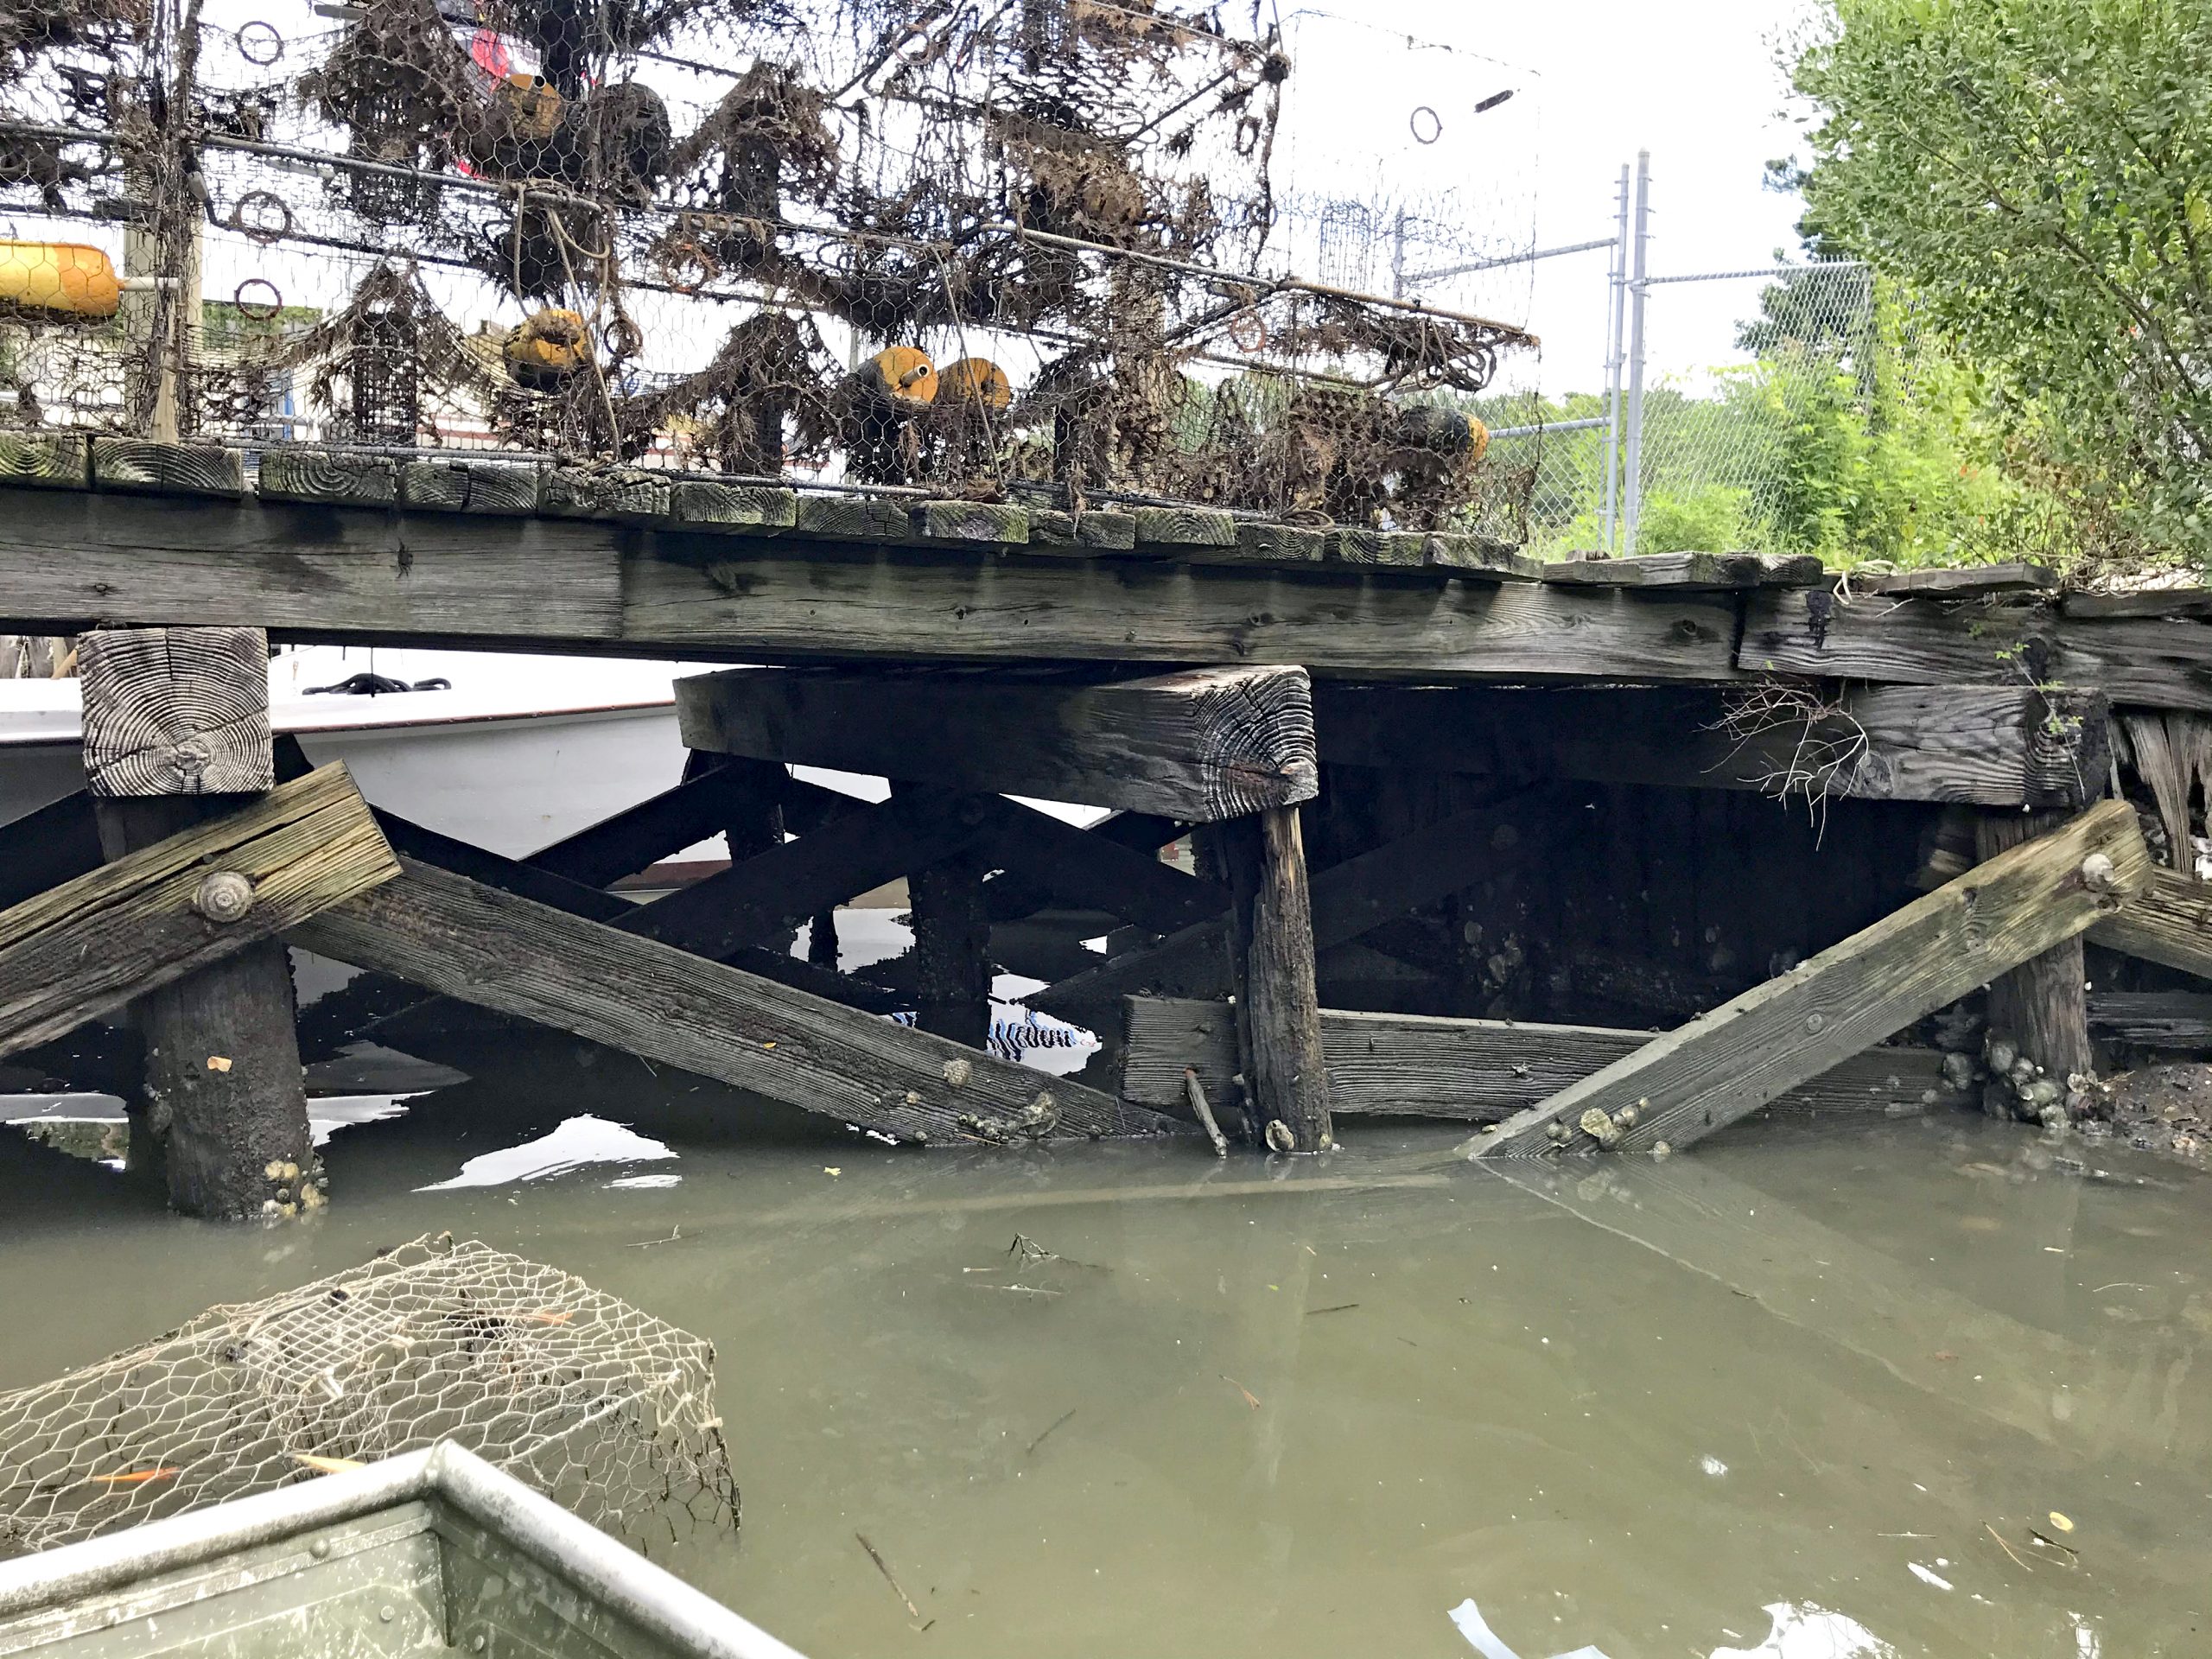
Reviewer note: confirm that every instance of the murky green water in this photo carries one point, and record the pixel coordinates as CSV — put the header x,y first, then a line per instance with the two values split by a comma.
x,y
1265,1409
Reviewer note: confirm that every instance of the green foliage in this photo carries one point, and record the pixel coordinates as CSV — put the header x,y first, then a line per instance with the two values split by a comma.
x,y
2037,172
1711,518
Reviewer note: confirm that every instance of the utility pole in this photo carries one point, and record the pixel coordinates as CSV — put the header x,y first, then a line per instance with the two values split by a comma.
x,y
1616,325
1632,465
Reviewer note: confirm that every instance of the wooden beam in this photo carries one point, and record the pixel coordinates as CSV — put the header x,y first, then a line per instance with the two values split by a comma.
x,y
1047,858
2160,662
952,965
175,711
1963,582
2167,1020
70,558
2040,1005
1197,745
1272,975
634,838
463,939
1470,1071
1680,1087
1689,570
2169,922
1989,745
88,947
1348,898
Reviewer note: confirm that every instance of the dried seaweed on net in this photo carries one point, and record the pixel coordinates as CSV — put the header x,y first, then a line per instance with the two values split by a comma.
x,y
599,1405
764,399
29,32
373,364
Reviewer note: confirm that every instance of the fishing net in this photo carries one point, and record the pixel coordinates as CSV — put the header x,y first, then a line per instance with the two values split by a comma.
x,y
1034,253
601,1406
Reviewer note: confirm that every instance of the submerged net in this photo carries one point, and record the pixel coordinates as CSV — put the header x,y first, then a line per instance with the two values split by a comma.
x,y
601,1407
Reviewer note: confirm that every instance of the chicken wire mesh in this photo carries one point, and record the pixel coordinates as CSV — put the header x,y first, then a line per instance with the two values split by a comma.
x,y
601,1407
1038,248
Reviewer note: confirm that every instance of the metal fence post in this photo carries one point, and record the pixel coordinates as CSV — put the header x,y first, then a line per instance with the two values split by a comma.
x,y
1632,465
1616,310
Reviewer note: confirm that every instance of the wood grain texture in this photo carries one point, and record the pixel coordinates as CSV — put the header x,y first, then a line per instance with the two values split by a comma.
x,y
1472,1071
60,461
2164,663
1726,1063
971,521
740,506
2169,921
489,486
853,517
171,469
2163,1019
2041,1004
1453,552
1160,529
638,494
1289,1082
2148,601
1965,582
1691,570
1995,746
68,559
1105,530
468,941
92,944
1277,543
306,474
175,711
952,966
1199,745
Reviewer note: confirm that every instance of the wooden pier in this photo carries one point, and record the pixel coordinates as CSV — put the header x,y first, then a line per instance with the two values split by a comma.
x,y
1467,828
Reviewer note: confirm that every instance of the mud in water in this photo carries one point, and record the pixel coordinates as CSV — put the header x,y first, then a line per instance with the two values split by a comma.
x,y
1928,1383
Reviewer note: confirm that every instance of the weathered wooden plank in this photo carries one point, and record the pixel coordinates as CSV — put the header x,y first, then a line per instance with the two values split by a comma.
x,y
68,559
1691,570
1049,860
2147,602
2169,921
465,940
60,461
1479,553
637,494
1174,530
1347,899
2162,663
634,839
1994,746
1280,543
493,486
93,944
1105,530
971,521
2167,1020
853,517
170,468
2039,1006
1052,530
707,503
1474,1071
1680,1087
306,474
1963,582
1199,745
1287,1078
175,711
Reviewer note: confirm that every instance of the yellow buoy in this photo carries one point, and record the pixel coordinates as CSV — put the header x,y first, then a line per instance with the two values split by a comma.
x,y
529,107
899,375
547,347
65,277
975,379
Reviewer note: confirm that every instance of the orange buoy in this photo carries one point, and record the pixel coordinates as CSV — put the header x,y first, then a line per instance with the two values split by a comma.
x,y
65,277
975,379
547,347
529,105
1448,432
901,376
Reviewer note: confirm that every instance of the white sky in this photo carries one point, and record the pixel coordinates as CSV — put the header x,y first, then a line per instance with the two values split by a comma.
x,y
1699,86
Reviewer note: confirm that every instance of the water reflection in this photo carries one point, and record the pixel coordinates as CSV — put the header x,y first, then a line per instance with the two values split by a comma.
x,y
575,1142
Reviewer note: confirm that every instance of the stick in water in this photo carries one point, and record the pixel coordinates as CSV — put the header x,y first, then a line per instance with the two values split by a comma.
x,y
883,1567
1196,1094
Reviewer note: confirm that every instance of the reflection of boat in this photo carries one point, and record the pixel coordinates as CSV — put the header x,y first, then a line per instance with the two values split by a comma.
x,y
432,1551
515,752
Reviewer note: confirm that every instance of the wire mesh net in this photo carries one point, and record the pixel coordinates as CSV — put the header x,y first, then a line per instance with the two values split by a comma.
x,y
1039,247
602,1408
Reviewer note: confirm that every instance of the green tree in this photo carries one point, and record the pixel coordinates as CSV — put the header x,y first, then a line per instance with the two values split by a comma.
x,y
2037,173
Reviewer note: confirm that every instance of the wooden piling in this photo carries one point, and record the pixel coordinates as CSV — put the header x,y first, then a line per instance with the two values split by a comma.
x,y
2041,1005
175,729
1271,967
952,939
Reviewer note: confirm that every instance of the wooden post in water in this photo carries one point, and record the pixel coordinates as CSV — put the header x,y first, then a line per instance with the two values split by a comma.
x,y
2042,1004
1271,969
176,728
952,939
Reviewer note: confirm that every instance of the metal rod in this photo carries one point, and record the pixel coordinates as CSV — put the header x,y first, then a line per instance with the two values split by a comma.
x,y
1590,425
1760,271
1616,333
1507,259
1632,462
